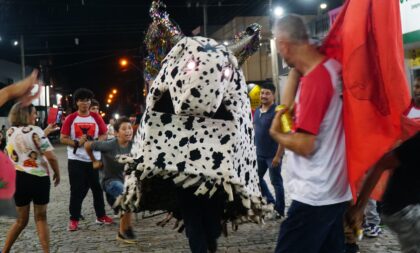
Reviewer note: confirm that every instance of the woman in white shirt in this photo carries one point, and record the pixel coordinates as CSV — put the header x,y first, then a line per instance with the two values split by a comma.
x,y
27,146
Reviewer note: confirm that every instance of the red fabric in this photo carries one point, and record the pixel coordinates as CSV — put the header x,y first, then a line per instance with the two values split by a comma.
x,y
52,115
366,38
312,104
66,128
7,177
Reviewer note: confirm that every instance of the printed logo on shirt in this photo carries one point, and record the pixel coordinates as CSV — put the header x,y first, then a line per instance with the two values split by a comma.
x,y
82,128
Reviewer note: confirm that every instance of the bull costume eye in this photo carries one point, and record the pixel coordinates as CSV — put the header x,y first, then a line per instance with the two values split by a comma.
x,y
191,65
226,73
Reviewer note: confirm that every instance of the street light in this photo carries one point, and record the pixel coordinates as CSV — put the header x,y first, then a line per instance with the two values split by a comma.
x,y
109,101
107,105
116,116
278,11
323,6
111,96
114,91
123,62
15,43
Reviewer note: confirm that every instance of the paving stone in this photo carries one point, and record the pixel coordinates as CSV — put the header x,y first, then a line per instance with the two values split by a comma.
x,y
100,238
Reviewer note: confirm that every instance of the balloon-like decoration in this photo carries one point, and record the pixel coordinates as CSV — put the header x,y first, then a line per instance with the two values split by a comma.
x,y
254,95
161,36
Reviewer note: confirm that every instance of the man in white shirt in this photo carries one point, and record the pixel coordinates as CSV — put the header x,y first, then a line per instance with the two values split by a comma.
x,y
316,163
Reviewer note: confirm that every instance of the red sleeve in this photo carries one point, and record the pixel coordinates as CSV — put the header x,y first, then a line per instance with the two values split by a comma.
x,y
66,128
101,123
315,94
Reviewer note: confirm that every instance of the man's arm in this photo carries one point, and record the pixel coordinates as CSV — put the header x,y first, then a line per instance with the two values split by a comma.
x,y
301,143
277,156
102,137
355,213
66,140
290,89
102,146
89,151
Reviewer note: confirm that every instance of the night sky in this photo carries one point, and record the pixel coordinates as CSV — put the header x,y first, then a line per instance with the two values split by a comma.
x,y
106,31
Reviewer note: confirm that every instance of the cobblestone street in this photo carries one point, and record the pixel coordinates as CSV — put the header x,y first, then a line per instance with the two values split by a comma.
x,y
100,238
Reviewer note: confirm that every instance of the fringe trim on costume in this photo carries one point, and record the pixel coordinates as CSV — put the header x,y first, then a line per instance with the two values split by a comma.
x,y
135,173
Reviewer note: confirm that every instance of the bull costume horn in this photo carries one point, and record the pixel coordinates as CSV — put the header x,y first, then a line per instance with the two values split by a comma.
x,y
160,37
246,43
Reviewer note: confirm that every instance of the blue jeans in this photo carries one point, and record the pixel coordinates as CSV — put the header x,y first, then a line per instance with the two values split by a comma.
x,y
371,213
114,188
312,229
276,180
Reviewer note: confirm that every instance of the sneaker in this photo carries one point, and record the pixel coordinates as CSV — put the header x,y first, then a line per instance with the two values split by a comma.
x,y
126,238
73,225
372,230
352,248
104,220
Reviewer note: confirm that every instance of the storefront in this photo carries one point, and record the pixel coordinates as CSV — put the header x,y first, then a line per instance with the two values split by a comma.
x,y
410,21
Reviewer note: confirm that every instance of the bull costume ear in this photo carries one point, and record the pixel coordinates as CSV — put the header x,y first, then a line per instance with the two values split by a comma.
x,y
246,43
160,38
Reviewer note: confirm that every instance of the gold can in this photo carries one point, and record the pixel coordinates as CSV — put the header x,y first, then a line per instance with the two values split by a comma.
x,y
286,119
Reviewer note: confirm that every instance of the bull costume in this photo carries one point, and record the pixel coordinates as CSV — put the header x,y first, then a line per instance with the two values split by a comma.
x,y
194,152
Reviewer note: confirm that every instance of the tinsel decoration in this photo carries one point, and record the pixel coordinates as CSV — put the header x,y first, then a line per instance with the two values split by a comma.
x,y
161,36
246,43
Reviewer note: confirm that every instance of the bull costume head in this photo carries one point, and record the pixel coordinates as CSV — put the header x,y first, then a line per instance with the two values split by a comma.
x,y
197,131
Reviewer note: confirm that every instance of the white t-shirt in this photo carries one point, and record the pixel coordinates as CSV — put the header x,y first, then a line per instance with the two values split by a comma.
x,y
25,147
413,112
75,126
321,178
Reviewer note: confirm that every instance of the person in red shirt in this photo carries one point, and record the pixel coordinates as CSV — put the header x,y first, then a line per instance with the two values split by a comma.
x,y
78,128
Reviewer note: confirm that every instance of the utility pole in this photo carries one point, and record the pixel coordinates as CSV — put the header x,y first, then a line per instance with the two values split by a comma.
x,y
205,18
22,56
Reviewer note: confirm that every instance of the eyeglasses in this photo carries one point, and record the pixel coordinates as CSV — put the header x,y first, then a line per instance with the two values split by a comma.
x,y
86,100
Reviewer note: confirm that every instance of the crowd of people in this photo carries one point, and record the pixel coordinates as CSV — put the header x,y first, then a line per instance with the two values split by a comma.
x,y
315,168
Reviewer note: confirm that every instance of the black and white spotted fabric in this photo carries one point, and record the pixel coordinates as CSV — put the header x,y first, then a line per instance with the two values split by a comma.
x,y
197,129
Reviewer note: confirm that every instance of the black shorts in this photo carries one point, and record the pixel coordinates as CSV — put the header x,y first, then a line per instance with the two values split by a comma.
x,y
30,188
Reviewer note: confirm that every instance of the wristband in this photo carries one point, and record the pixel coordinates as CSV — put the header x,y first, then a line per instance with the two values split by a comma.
x,y
76,143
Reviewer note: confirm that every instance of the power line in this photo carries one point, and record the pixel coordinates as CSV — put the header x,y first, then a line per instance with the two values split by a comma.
x,y
89,60
76,53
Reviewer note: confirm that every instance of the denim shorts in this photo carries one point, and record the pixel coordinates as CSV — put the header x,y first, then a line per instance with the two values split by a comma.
x,y
114,188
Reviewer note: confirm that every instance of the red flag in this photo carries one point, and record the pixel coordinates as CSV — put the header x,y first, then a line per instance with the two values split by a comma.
x,y
7,177
366,38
